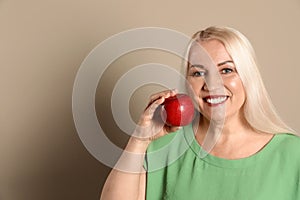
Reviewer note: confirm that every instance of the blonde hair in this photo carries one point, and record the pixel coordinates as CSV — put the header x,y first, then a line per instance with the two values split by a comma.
x,y
259,111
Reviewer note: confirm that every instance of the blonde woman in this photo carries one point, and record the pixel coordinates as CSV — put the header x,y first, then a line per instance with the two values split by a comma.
x,y
236,148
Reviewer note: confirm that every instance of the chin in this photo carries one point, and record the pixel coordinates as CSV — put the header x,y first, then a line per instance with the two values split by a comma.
x,y
217,114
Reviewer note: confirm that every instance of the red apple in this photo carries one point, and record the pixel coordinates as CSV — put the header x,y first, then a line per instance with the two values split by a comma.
x,y
178,110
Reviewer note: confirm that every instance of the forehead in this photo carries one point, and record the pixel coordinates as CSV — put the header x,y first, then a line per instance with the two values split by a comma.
x,y
208,51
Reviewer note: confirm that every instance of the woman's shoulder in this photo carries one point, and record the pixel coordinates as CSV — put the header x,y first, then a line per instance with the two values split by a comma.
x,y
289,139
288,144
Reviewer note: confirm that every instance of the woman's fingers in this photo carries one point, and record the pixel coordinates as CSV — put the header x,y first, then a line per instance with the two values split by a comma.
x,y
165,94
170,129
161,96
151,125
156,100
152,108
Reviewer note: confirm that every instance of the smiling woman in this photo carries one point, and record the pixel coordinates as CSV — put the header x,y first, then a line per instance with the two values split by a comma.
x,y
235,148
225,45
208,91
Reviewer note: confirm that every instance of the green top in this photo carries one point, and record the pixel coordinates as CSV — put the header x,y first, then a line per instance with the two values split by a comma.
x,y
176,170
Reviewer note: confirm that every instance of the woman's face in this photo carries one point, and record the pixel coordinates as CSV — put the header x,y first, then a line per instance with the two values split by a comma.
x,y
217,87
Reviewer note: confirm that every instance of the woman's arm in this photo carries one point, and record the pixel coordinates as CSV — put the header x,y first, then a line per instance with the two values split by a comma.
x,y
130,183
127,180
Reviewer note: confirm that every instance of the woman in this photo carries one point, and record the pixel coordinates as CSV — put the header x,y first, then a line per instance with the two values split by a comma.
x,y
248,151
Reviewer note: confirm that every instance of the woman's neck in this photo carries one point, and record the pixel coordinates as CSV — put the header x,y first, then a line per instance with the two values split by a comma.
x,y
234,138
230,128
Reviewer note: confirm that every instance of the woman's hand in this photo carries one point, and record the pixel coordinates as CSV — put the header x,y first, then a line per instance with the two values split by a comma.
x,y
150,125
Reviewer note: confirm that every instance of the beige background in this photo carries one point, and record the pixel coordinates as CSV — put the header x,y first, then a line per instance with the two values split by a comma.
x,y
42,44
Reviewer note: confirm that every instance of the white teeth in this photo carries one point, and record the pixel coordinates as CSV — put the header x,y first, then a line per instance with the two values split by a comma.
x,y
216,100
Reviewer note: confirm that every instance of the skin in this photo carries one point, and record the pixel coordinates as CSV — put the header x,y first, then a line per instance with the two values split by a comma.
x,y
131,183
204,82
237,138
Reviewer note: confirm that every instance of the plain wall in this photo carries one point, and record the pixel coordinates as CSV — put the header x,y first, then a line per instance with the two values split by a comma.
x,y
42,45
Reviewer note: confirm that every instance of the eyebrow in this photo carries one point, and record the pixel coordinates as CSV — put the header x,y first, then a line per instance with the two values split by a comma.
x,y
225,62
220,64
198,66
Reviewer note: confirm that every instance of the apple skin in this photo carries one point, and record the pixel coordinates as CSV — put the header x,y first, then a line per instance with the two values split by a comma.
x,y
178,110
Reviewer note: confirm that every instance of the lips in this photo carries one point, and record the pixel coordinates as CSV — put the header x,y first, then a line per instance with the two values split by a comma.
x,y
214,100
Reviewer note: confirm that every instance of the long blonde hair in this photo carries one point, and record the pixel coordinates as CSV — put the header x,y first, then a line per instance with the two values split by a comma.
x,y
259,111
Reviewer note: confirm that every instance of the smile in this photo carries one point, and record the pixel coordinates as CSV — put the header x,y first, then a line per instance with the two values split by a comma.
x,y
214,100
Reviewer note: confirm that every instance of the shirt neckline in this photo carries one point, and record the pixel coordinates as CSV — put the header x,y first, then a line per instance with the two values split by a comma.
x,y
227,163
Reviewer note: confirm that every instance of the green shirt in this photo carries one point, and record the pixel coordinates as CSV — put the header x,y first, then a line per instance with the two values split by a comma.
x,y
176,170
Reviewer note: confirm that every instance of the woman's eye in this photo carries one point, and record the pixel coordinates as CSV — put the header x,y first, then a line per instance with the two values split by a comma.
x,y
226,71
198,73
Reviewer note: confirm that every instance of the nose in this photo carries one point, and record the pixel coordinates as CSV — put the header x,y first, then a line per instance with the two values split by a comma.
x,y
213,82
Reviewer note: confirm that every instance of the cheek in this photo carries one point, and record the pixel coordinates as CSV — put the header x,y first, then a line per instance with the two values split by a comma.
x,y
235,83
236,86
193,86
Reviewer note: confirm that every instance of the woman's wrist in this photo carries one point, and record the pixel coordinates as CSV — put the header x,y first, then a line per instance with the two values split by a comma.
x,y
138,145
